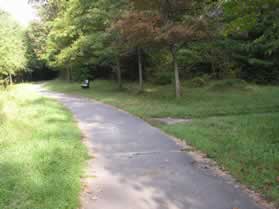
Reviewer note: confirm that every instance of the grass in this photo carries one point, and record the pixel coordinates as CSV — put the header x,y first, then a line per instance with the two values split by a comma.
x,y
247,145
238,127
159,101
42,157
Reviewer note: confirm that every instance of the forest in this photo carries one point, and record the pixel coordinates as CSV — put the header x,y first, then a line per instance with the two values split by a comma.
x,y
158,41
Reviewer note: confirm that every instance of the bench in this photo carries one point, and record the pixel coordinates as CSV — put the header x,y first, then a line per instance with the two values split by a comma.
x,y
85,84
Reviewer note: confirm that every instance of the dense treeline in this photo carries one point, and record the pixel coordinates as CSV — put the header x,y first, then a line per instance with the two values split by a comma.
x,y
161,41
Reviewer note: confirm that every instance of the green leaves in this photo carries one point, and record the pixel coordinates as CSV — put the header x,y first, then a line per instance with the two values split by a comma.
x,y
78,33
12,48
244,15
253,25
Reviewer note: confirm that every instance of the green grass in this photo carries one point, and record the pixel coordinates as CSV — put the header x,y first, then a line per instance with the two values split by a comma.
x,y
248,146
238,127
42,157
159,101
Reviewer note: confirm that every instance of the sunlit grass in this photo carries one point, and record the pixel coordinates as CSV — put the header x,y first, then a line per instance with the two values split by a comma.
x,y
238,127
42,156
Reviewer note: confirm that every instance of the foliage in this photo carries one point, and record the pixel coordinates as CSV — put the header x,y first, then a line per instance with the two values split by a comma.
x,y
86,34
78,35
233,84
137,29
162,77
198,82
35,41
12,48
254,36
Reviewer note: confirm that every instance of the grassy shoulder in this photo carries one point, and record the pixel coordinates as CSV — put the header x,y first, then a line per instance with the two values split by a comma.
x,y
42,157
247,146
239,128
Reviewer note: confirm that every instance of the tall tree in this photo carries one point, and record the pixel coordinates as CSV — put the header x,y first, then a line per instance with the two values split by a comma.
x,y
78,34
12,48
174,35
180,22
35,40
254,37
138,30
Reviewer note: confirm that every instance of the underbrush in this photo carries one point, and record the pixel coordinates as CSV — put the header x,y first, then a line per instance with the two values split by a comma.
x,y
233,84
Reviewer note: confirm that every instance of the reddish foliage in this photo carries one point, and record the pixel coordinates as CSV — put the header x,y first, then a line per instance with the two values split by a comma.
x,y
138,28
174,33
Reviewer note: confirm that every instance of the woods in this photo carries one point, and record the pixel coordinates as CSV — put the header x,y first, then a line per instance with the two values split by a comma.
x,y
157,40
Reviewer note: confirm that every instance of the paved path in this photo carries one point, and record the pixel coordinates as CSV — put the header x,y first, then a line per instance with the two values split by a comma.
x,y
138,167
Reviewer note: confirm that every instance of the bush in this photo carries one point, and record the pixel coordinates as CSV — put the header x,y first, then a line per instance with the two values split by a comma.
x,y
163,77
198,82
231,84
80,74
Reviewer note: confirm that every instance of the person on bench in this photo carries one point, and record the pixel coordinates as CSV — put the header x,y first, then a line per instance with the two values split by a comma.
x,y
85,84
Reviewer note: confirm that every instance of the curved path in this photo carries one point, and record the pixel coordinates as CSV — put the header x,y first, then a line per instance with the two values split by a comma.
x,y
136,166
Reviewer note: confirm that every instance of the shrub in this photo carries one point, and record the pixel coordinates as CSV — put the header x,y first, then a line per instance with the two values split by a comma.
x,y
230,84
198,82
163,77
80,74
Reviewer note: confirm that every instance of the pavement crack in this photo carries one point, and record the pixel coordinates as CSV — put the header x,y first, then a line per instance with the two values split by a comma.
x,y
143,153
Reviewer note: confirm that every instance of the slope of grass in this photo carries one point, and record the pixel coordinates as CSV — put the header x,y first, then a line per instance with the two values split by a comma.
x,y
42,156
238,127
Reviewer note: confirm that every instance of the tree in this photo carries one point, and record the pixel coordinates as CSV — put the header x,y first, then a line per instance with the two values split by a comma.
x,y
12,48
35,41
78,35
254,37
138,30
179,22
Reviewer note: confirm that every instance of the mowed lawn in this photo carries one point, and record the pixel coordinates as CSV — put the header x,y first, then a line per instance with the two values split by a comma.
x,y
237,127
42,157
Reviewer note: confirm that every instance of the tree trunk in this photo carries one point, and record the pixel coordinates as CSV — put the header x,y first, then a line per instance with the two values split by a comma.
x,y
118,72
70,73
176,72
140,65
68,76
11,79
